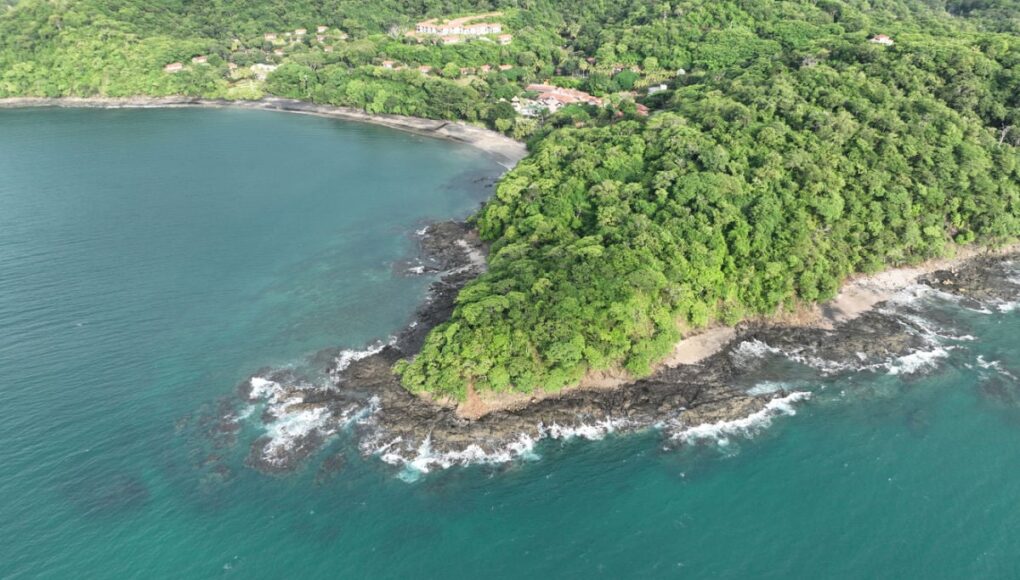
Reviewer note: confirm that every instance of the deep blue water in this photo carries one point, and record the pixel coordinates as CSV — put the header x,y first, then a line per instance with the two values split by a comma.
x,y
151,260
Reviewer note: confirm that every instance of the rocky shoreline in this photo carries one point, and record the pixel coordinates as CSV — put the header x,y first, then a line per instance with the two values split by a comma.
x,y
687,398
504,149
684,401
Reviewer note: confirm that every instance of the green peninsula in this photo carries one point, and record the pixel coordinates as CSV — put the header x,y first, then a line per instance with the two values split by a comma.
x,y
691,161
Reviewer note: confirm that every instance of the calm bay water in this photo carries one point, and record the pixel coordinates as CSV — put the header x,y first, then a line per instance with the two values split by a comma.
x,y
150,260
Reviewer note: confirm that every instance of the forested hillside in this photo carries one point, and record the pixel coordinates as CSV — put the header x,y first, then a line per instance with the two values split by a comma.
x,y
747,156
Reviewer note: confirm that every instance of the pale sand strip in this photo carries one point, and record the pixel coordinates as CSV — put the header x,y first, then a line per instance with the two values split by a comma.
x,y
507,151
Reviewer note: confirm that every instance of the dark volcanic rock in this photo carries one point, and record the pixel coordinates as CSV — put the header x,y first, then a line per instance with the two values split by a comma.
x,y
401,426
869,339
982,279
445,247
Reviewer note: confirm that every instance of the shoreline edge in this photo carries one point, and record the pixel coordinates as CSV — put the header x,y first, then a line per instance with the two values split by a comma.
x,y
505,150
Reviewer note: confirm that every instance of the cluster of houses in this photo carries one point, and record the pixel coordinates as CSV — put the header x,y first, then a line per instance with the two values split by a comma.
x,y
485,69
176,67
260,71
547,99
459,29
279,40
464,71
322,35
502,39
551,98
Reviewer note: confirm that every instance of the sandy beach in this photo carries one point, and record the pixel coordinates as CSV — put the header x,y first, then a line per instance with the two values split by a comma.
x,y
504,149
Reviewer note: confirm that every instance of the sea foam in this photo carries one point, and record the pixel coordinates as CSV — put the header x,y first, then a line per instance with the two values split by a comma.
x,y
917,361
346,357
424,459
747,426
590,431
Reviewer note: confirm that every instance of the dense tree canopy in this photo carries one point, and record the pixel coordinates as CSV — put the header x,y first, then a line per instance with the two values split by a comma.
x,y
786,153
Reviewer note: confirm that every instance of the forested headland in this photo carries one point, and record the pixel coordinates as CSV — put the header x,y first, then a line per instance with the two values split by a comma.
x,y
745,157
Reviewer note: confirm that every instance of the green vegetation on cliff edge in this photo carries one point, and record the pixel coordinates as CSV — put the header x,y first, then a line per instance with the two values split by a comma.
x,y
786,152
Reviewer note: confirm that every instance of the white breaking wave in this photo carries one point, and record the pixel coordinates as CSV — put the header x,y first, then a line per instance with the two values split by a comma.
x,y
746,426
1014,276
346,357
913,362
996,366
920,291
1005,307
756,349
244,413
917,361
589,431
766,388
288,430
293,422
262,388
927,331
825,366
424,459
290,426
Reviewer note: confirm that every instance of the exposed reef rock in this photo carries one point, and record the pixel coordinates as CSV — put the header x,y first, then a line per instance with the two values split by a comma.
x,y
984,279
364,396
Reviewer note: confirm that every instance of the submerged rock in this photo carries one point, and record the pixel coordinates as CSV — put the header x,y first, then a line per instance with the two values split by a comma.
x,y
330,467
103,494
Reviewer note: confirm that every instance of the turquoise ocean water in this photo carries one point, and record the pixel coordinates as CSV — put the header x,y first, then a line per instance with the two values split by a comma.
x,y
151,260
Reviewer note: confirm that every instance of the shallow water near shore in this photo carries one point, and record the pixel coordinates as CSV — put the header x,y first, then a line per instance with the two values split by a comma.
x,y
152,260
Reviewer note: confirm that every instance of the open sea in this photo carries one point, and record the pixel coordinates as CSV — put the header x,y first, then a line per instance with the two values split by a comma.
x,y
150,260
